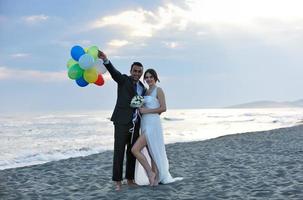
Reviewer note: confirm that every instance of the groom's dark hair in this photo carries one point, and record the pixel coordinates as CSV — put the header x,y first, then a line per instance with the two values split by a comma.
x,y
136,63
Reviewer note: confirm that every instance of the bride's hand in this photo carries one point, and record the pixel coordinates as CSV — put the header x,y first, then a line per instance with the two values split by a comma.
x,y
143,110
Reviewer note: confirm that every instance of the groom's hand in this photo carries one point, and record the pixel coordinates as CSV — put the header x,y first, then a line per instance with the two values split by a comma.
x,y
102,55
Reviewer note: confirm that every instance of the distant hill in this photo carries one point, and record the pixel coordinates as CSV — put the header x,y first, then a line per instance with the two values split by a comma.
x,y
269,104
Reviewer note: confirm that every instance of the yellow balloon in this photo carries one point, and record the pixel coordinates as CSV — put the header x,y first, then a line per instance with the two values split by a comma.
x,y
90,75
86,49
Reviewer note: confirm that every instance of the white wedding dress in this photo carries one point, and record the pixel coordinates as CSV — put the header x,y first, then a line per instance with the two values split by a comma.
x,y
152,129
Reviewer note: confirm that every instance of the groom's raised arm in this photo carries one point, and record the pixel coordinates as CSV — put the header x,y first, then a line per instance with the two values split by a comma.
x,y
115,74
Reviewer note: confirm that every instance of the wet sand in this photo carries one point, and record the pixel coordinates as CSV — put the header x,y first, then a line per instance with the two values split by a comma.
x,y
258,165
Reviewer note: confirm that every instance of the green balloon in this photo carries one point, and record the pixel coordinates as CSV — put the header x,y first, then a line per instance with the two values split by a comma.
x,y
71,62
93,51
75,72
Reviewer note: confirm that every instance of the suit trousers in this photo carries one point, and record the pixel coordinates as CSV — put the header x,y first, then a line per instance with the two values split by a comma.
x,y
123,138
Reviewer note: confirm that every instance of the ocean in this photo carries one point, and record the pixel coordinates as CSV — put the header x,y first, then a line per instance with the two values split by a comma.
x,y
30,139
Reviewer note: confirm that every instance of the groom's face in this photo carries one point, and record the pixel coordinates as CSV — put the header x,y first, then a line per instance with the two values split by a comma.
x,y
136,72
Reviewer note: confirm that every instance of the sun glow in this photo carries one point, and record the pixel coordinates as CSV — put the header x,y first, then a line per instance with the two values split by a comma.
x,y
252,14
243,11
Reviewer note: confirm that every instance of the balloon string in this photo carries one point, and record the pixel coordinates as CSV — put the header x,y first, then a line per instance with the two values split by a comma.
x,y
132,130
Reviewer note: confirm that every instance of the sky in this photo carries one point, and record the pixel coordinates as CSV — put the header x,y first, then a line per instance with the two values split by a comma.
x,y
208,53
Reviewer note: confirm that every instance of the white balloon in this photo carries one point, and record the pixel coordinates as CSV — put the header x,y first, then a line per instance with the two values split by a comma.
x,y
99,66
86,61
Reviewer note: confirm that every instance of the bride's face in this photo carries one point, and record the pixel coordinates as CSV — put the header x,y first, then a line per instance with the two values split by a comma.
x,y
149,79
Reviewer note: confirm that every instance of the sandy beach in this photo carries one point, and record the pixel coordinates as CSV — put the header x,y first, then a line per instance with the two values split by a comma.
x,y
258,165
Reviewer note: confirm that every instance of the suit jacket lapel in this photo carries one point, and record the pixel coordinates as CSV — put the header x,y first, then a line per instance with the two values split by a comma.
x,y
140,83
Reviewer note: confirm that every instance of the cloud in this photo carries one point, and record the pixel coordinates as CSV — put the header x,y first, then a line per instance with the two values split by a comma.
x,y
35,19
140,22
118,43
32,75
70,43
172,45
20,55
36,75
243,11
133,20
218,16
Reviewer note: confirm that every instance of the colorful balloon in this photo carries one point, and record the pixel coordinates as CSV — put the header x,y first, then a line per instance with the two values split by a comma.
x,y
71,62
86,61
85,67
90,75
81,82
77,52
99,66
100,80
75,72
93,51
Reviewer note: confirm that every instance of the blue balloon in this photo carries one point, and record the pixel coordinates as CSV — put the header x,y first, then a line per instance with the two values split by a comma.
x,y
76,52
81,82
86,61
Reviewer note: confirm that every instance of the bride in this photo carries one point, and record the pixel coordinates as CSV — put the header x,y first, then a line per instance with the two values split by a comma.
x,y
154,166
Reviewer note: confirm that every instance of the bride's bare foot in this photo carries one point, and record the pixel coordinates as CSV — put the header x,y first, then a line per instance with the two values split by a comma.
x,y
151,178
156,182
131,183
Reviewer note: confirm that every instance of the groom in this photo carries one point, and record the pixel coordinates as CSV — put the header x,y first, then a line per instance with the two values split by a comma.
x,y
122,117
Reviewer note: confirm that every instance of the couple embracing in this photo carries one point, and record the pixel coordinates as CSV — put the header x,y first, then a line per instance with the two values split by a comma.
x,y
146,159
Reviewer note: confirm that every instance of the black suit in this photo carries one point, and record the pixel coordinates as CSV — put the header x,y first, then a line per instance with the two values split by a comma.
x,y
122,119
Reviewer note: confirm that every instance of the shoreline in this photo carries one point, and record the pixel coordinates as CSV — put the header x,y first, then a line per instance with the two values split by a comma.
x,y
259,165
32,140
111,150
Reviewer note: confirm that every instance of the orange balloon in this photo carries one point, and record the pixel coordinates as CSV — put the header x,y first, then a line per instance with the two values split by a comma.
x,y
100,80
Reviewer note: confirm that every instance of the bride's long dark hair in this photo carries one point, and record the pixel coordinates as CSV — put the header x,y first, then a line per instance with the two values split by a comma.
x,y
153,73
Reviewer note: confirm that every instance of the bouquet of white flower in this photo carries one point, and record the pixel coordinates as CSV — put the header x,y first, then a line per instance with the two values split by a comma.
x,y
137,101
